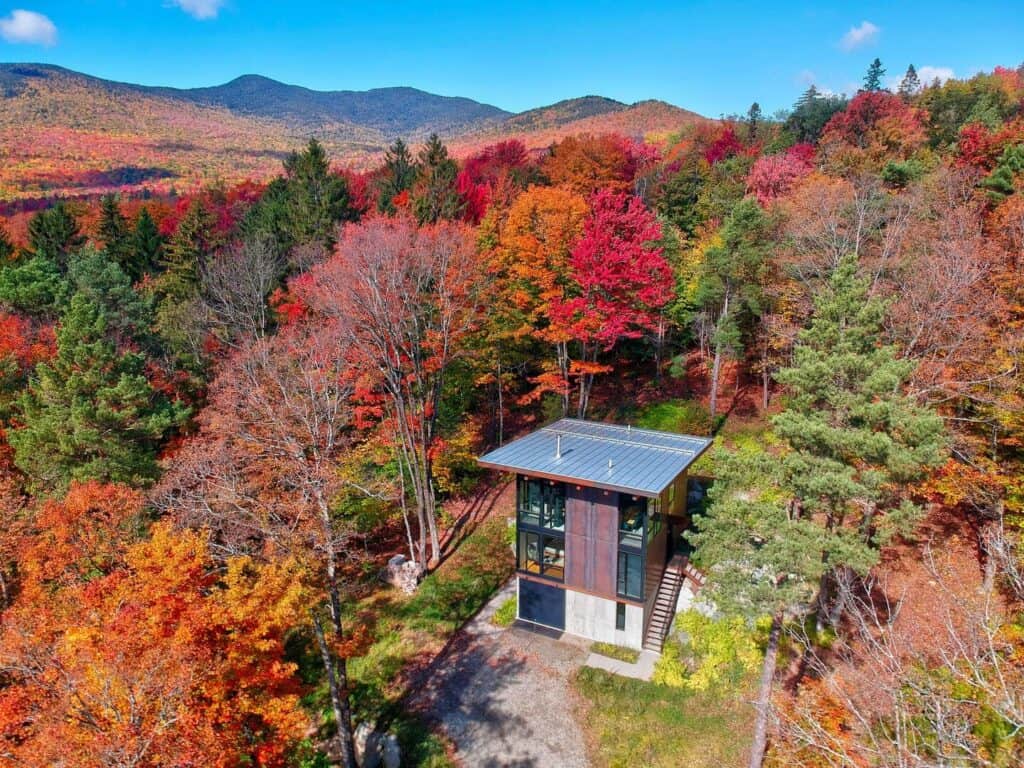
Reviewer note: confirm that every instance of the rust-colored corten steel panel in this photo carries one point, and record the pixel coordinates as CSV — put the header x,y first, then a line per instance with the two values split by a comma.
x,y
591,540
606,541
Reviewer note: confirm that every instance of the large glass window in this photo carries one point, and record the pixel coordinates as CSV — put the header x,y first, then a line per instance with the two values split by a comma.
x,y
630,581
541,503
542,555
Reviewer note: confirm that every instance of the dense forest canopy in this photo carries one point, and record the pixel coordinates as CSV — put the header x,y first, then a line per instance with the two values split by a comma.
x,y
223,411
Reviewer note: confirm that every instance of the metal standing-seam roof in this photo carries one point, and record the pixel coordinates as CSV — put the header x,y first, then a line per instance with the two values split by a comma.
x,y
617,458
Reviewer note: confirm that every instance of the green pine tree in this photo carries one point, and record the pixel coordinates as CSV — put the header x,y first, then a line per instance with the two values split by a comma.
x,y
54,234
856,441
114,232
34,286
146,244
754,118
95,276
811,113
762,560
90,413
7,249
436,196
910,84
873,78
398,176
1008,174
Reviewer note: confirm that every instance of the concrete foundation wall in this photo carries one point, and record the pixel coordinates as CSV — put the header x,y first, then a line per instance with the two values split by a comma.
x,y
594,618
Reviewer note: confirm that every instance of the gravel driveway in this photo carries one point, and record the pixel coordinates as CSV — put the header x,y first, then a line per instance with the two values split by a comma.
x,y
504,698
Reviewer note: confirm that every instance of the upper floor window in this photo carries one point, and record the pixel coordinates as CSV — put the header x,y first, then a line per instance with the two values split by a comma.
x,y
632,514
541,503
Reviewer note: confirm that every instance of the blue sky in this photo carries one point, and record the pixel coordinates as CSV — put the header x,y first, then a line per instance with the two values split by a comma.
x,y
712,57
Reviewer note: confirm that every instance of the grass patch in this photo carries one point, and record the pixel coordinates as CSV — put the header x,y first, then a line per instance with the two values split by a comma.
x,y
619,652
506,614
686,416
633,722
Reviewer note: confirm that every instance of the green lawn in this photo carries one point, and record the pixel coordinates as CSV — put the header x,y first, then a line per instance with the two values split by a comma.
x,y
633,723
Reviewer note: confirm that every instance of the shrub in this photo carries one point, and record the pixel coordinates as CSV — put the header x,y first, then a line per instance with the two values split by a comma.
x,y
669,669
619,652
710,653
506,613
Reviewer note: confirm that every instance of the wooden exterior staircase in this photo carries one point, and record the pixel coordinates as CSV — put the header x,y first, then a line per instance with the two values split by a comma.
x,y
664,610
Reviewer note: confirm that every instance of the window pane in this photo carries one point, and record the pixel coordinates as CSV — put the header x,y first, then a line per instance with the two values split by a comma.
x,y
529,552
529,502
631,519
554,557
629,582
620,615
556,507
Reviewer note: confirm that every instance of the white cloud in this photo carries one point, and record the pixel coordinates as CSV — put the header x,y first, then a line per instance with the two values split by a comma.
x,y
28,27
200,9
927,74
858,37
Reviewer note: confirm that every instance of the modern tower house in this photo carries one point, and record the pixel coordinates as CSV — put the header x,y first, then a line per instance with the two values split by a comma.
x,y
600,509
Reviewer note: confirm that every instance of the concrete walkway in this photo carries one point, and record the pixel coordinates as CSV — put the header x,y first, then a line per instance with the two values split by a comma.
x,y
641,670
504,696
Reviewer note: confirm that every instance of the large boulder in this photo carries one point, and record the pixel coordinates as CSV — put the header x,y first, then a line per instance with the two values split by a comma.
x,y
402,573
392,752
367,744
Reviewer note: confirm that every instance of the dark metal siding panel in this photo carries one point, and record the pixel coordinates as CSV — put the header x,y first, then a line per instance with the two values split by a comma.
x,y
542,604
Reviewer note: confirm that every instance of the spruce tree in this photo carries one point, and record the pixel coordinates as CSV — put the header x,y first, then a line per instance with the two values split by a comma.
x,y
855,440
53,234
873,78
147,245
399,175
194,241
436,195
7,249
114,232
910,84
95,276
90,413
317,199
754,117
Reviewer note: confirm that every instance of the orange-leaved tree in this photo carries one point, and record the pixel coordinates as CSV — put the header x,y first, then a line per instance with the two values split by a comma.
x,y
144,654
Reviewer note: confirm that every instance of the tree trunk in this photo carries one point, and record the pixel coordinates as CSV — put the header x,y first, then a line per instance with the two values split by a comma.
x,y
716,368
337,682
988,536
764,696
562,350
501,409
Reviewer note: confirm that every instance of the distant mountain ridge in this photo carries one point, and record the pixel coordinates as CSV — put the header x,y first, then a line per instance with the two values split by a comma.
x,y
64,132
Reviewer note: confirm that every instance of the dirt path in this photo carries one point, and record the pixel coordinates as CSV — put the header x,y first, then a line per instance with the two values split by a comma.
x,y
504,698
